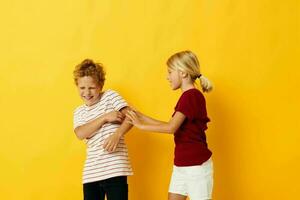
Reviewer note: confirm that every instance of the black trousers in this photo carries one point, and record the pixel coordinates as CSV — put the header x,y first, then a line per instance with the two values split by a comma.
x,y
115,188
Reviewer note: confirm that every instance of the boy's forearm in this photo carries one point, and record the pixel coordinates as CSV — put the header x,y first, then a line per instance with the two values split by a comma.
x,y
111,143
88,130
124,128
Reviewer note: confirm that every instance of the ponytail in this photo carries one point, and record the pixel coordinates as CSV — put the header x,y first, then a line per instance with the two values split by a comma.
x,y
205,83
187,61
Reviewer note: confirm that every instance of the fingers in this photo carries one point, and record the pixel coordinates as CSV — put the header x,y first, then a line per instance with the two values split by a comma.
x,y
120,118
133,109
111,143
132,118
114,148
131,115
116,116
138,113
121,115
110,146
105,144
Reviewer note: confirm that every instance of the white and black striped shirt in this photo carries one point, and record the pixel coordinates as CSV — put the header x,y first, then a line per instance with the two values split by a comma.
x,y
100,164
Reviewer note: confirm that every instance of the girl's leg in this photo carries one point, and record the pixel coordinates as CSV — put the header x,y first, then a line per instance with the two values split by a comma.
x,y
200,183
93,191
173,196
116,188
177,187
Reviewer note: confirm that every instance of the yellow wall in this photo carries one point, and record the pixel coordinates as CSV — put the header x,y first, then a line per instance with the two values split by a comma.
x,y
249,49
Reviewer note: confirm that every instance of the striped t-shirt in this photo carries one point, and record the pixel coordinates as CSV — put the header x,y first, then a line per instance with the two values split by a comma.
x,y
100,164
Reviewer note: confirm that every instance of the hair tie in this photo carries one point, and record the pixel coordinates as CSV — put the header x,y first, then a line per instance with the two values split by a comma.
x,y
199,75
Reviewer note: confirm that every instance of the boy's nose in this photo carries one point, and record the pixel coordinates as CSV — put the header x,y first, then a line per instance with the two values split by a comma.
x,y
86,92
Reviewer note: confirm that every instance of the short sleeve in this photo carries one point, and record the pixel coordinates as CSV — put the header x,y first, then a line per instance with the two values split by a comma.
x,y
117,101
77,118
185,106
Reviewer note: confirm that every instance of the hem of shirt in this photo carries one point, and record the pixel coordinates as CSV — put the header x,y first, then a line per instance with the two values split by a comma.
x,y
121,107
107,177
192,163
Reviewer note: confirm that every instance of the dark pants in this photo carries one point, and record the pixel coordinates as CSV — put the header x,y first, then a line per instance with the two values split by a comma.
x,y
115,188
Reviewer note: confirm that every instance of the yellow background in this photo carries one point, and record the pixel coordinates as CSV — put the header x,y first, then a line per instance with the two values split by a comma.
x,y
249,49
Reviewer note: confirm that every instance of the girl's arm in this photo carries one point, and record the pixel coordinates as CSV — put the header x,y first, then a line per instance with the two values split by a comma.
x,y
159,126
89,129
147,119
111,143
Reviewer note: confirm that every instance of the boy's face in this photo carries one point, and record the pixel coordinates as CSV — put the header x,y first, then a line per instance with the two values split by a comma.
x,y
89,90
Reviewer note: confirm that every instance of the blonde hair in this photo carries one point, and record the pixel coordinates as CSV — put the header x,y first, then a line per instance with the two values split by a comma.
x,y
89,68
186,61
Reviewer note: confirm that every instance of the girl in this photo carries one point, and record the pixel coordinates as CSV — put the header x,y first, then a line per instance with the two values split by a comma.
x,y
193,169
98,122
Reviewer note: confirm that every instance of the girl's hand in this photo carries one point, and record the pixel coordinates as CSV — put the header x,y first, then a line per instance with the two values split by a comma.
x,y
134,119
114,117
140,115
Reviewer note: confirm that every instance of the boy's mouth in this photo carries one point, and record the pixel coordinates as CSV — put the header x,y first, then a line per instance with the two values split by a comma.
x,y
87,97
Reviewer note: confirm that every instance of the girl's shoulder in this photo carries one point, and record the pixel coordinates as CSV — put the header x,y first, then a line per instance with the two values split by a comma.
x,y
192,93
192,96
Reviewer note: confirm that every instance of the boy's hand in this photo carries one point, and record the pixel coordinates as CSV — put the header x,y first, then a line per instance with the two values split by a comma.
x,y
111,143
114,117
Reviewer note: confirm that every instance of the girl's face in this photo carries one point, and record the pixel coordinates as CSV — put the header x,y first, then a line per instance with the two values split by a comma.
x,y
174,77
89,90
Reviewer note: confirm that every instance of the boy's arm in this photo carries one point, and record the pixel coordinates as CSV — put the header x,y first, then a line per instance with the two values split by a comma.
x,y
111,143
89,129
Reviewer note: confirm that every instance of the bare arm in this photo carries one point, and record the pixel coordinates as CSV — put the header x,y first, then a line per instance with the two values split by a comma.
x,y
147,119
159,126
112,141
89,129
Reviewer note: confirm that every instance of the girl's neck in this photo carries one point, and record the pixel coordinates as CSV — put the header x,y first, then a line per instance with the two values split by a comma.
x,y
186,86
